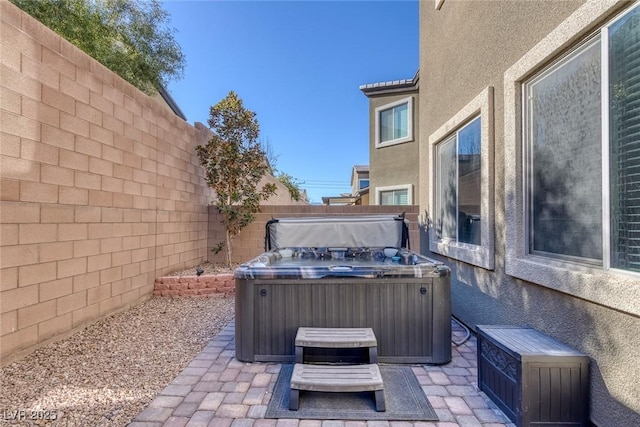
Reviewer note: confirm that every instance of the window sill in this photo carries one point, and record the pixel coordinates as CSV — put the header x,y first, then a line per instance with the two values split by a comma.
x,y
615,289
478,256
393,142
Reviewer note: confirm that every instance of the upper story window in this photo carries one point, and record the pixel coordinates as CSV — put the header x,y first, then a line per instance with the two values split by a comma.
x,y
394,122
460,191
396,195
363,183
582,142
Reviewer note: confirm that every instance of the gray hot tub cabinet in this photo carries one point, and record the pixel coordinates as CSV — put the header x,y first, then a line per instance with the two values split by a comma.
x,y
337,277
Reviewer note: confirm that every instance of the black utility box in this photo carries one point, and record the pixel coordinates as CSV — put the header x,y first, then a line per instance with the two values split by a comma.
x,y
534,379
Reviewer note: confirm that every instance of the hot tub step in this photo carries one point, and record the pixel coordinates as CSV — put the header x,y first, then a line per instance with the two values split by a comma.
x,y
336,338
336,378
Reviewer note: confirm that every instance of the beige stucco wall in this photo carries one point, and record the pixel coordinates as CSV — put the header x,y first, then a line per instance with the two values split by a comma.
x,y
393,165
464,48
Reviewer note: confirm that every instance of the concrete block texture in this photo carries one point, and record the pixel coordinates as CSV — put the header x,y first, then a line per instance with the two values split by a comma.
x,y
88,168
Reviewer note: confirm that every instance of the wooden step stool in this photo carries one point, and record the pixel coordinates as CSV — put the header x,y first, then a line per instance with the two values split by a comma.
x,y
336,378
336,338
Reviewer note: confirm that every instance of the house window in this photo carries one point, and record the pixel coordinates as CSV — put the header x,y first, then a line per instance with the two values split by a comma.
x,y
570,217
581,114
400,195
458,185
461,189
363,183
394,123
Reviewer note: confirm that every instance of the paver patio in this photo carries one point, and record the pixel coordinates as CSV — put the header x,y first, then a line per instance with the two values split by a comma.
x,y
217,390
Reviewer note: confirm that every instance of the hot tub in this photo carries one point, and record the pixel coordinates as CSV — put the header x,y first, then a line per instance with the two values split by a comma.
x,y
333,272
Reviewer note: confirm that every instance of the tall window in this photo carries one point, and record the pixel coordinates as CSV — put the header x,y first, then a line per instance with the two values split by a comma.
x,y
458,185
394,122
582,140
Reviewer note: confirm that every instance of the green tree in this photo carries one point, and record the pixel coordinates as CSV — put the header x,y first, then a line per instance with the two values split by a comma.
x,y
130,37
234,164
292,184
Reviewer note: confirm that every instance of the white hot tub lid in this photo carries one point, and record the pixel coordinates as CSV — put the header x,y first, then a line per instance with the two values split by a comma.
x,y
338,231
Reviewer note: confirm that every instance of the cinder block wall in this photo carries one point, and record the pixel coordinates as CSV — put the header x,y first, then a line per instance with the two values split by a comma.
x,y
101,191
250,242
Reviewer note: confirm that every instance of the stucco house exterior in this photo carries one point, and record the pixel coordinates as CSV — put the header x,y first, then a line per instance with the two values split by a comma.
x,y
360,183
528,147
393,141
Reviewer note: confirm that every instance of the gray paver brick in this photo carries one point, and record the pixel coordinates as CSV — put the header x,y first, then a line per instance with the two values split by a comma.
x,y
287,423
211,376
229,374
212,401
200,419
186,380
234,398
332,423
257,411
185,409
461,390
468,421
154,414
200,363
457,405
490,416
208,386
310,423
235,387
176,422
144,424
261,380
242,422
476,402
220,422
195,396
227,410
176,390
255,396
445,415
194,371
266,423
435,390
377,423
166,402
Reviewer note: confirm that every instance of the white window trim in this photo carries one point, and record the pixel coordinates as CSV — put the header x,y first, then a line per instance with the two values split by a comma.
x,y
439,4
611,288
482,255
408,187
409,101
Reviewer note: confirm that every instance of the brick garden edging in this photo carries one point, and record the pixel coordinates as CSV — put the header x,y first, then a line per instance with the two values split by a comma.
x,y
212,285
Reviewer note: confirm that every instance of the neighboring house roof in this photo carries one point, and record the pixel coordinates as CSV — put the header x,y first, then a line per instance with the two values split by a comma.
x,y
393,86
340,200
171,103
357,171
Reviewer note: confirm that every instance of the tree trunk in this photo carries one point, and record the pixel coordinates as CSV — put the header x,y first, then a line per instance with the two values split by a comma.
x,y
228,249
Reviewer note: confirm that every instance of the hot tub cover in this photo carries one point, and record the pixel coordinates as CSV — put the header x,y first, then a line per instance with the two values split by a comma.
x,y
338,231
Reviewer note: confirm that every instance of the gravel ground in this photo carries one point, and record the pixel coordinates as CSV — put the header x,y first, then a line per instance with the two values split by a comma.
x,y
108,372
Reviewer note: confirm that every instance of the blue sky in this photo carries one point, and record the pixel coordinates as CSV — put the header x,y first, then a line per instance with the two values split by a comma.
x,y
298,65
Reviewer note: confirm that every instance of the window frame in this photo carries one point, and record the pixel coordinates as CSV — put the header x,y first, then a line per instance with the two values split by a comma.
x,y
408,187
409,101
360,187
613,288
482,255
